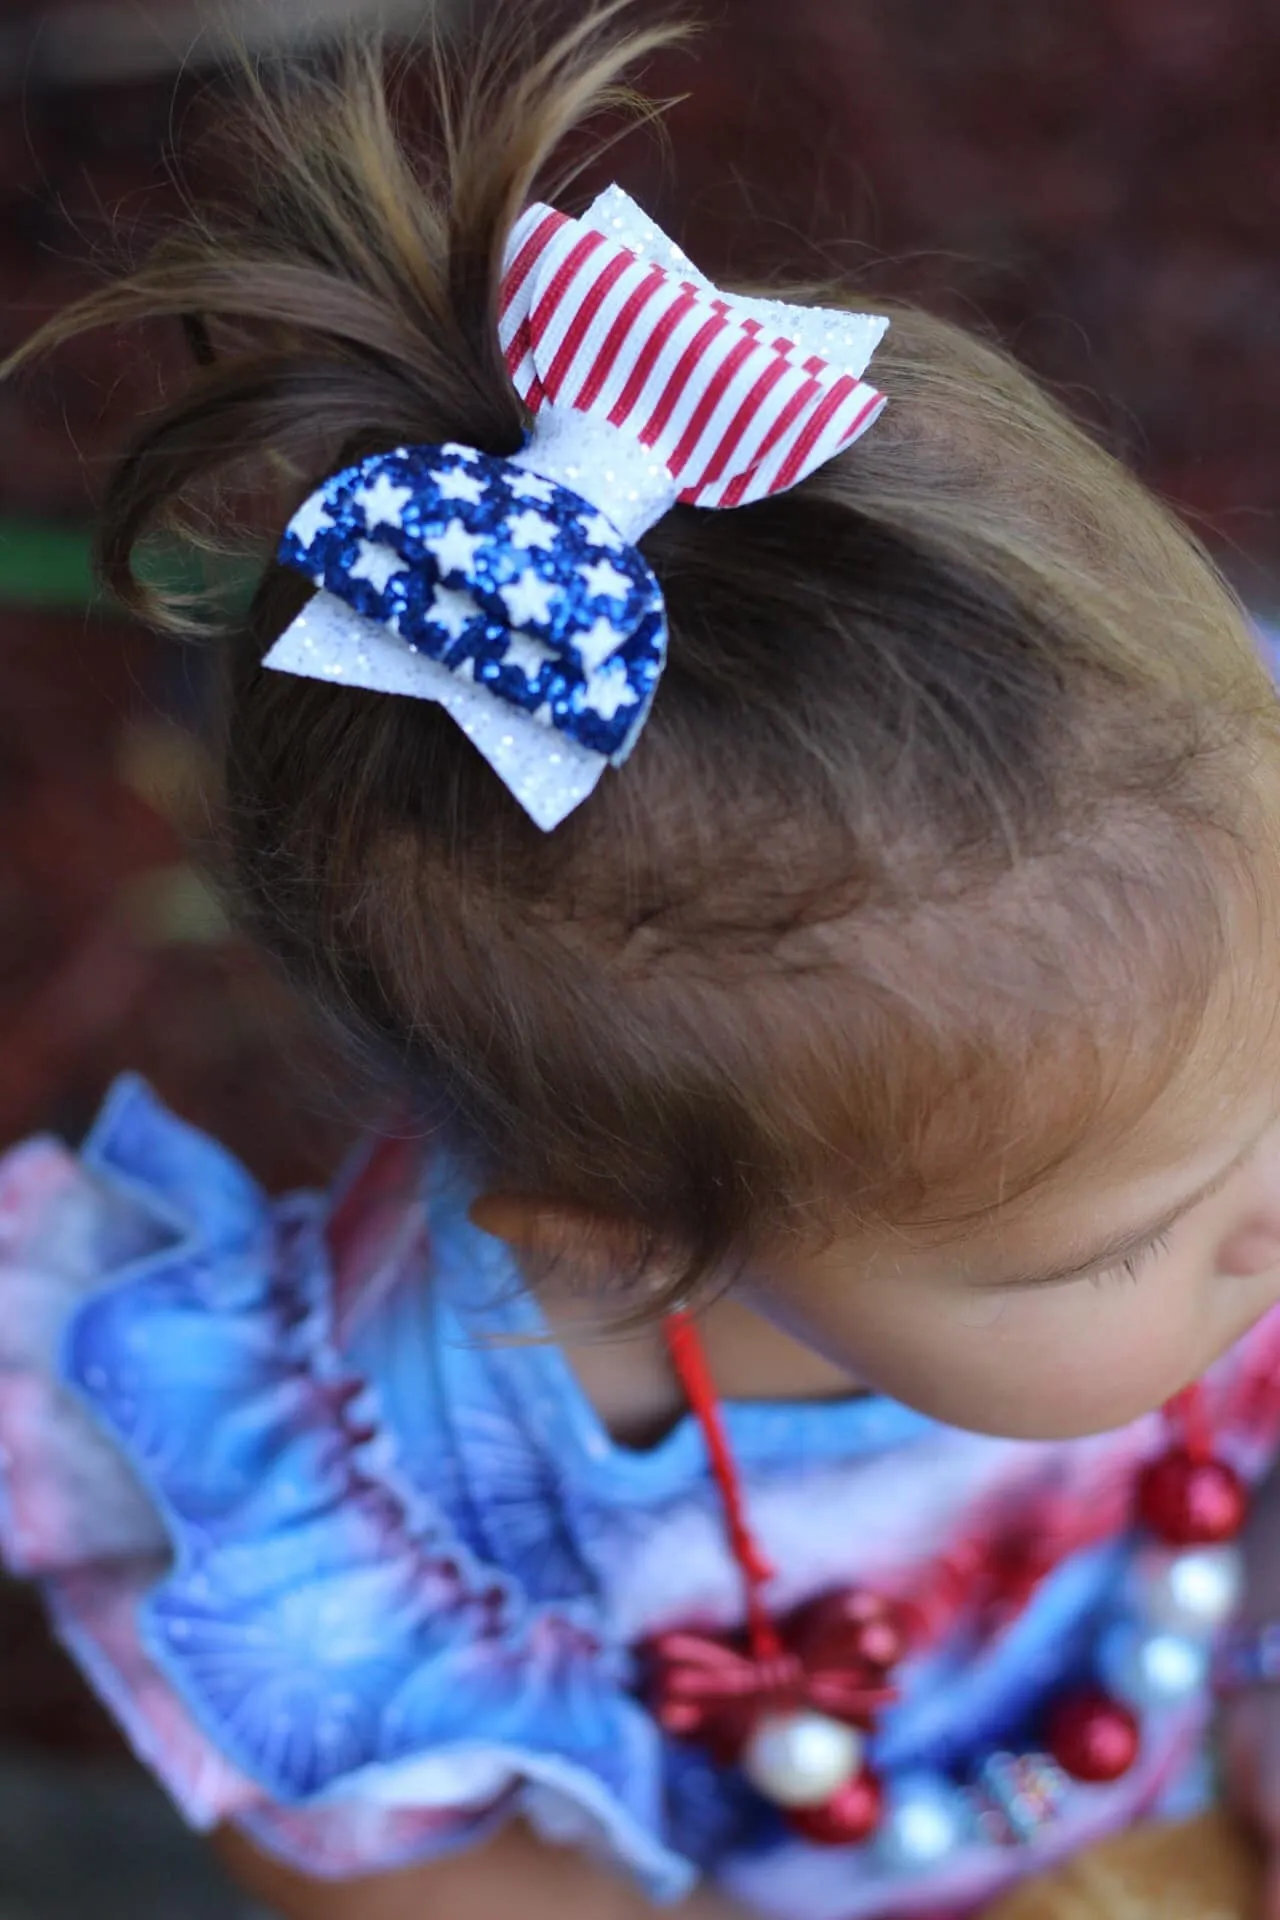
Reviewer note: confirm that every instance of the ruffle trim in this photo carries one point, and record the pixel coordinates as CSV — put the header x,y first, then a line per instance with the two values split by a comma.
x,y
292,1637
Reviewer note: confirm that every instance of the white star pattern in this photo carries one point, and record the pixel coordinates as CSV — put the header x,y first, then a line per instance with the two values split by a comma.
x,y
597,643
312,518
455,549
529,529
452,610
603,580
599,531
526,653
460,486
377,565
509,581
528,600
383,503
529,486
609,690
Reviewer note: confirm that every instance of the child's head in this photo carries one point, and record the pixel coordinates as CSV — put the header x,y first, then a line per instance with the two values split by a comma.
x,y
925,939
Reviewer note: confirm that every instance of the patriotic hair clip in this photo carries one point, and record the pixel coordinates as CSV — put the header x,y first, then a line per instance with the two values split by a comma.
x,y
511,591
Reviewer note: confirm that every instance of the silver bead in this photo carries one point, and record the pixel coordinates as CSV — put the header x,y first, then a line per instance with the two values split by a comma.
x,y
1148,1669
925,1819
801,1759
1020,1794
1193,1592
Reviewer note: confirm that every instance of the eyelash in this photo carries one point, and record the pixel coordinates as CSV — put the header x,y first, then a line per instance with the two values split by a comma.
x,y
1131,1266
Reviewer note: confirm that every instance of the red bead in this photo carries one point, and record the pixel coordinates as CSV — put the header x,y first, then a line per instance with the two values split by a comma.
x,y
850,1816
1093,1737
1192,1503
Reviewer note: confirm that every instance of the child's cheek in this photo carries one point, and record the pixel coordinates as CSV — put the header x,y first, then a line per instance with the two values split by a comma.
x,y
1073,1361
1033,1366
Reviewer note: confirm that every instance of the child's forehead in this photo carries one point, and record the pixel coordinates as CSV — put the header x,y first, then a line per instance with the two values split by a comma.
x,y
1126,1085
1099,1205
1144,1154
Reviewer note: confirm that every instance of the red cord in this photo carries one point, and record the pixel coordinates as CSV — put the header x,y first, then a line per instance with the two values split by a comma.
x,y
689,1359
1188,1411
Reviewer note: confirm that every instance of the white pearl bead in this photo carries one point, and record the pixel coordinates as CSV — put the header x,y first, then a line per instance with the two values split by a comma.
x,y
925,1819
1153,1669
801,1759
1194,1592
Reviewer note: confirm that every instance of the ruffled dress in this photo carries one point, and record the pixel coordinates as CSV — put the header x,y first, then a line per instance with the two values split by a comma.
x,y
337,1536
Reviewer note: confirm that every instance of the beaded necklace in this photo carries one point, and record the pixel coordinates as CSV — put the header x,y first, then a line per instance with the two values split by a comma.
x,y
792,1701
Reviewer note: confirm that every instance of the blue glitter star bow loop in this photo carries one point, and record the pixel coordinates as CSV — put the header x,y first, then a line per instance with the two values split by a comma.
x,y
501,576
512,592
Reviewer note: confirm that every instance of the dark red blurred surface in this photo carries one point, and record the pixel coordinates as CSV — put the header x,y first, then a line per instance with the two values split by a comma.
x,y
114,954
1099,179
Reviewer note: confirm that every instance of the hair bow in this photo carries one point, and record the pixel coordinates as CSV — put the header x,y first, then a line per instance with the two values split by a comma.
x,y
511,591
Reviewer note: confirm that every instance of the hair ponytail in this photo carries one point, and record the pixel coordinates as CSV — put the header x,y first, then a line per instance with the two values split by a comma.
x,y
343,301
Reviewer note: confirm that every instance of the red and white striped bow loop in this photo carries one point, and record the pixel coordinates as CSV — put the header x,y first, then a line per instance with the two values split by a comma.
x,y
732,398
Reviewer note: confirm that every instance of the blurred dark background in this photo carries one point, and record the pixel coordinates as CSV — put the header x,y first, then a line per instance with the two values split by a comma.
x,y
1096,180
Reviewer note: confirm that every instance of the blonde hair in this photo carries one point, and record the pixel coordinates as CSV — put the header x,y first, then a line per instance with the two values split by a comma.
x,y
922,850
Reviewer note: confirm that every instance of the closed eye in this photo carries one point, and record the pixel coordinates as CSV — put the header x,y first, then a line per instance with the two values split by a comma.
x,y
1125,1260
1131,1266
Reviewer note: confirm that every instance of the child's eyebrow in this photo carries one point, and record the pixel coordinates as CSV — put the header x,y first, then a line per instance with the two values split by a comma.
x,y
1121,1246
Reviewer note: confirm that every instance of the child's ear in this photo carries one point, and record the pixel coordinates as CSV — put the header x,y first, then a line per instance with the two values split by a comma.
x,y
552,1239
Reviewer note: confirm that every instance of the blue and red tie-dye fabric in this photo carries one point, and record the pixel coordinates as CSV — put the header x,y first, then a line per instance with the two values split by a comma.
x,y
356,1564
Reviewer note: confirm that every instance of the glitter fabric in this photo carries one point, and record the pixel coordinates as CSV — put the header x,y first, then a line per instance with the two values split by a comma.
x,y
838,336
738,397
511,591
549,774
502,576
